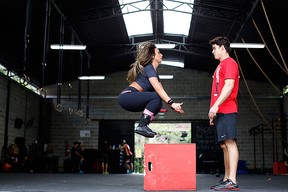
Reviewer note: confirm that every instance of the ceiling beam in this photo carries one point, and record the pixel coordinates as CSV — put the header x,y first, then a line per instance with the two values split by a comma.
x,y
247,18
181,47
199,9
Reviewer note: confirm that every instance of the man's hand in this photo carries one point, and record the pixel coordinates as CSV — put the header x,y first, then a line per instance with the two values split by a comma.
x,y
212,114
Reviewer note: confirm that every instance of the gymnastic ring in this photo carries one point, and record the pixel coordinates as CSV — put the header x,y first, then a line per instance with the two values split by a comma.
x,y
24,80
58,107
80,112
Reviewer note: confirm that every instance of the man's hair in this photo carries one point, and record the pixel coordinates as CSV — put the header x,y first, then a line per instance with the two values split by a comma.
x,y
221,40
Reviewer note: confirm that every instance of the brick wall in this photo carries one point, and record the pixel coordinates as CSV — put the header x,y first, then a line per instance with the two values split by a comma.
x,y
189,86
24,104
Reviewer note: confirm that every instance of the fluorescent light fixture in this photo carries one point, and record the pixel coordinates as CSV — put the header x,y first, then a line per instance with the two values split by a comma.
x,y
68,47
176,11
173,63
166,76
247,45
91,77
165,46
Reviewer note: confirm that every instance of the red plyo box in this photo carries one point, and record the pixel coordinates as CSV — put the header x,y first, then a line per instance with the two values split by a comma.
x,y
170,167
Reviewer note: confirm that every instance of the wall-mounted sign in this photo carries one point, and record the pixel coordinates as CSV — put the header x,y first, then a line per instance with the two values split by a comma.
x,y
84,133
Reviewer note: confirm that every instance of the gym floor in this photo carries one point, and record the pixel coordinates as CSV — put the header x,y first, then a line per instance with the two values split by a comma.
x,y
48,182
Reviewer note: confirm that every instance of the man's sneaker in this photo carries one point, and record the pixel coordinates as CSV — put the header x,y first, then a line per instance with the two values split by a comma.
x,y
219,183
228,185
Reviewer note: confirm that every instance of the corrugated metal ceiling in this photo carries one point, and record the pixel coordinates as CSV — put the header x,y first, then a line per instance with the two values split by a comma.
x,y
100,25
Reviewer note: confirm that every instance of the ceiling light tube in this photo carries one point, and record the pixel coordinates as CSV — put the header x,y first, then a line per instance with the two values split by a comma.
x,y
173,63
165,46
91,77
166,76
68,47
247,45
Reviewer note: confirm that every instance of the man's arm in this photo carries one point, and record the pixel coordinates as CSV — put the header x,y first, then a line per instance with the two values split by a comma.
x,y
227,89
79,154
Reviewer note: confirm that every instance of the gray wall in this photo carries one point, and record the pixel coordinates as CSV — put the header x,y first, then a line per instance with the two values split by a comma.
x,y
190,86
24,104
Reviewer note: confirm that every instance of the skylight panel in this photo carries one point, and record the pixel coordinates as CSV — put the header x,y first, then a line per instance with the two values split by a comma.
x,y
137,17
177,16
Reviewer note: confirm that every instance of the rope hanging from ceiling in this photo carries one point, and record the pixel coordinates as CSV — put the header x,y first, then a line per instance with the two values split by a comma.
x,y
252,98
79,111
267,47
256,63
42,91
58,107
271,30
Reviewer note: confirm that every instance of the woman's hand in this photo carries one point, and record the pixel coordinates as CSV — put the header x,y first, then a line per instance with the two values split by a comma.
x,y
177,107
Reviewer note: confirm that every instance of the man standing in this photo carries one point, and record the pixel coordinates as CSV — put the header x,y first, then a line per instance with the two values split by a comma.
x,y
224,109
104,153
77,157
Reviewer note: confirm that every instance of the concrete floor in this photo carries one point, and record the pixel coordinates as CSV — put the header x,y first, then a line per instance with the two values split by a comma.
x,y
48,182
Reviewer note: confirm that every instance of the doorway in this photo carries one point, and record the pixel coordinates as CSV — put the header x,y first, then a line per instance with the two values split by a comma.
x,y
168,133
115,131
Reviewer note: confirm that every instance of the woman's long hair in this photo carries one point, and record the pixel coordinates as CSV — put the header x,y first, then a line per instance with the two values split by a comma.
x,y
145,53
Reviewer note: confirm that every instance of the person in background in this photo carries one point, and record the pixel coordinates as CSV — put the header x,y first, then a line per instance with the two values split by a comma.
x,y
128,157
49,154
145,92
77,157
104,153
223,110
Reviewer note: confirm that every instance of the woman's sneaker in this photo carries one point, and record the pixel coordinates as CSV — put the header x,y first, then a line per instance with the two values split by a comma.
x,y
144,131
151,131
227,185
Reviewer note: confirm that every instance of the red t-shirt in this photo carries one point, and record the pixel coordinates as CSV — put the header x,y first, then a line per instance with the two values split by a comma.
x,y
227,69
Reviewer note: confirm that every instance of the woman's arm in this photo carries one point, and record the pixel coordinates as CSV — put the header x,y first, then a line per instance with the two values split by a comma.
x,y
164,96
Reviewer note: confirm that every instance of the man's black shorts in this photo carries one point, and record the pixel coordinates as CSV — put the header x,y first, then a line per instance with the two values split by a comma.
x,y
226,126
